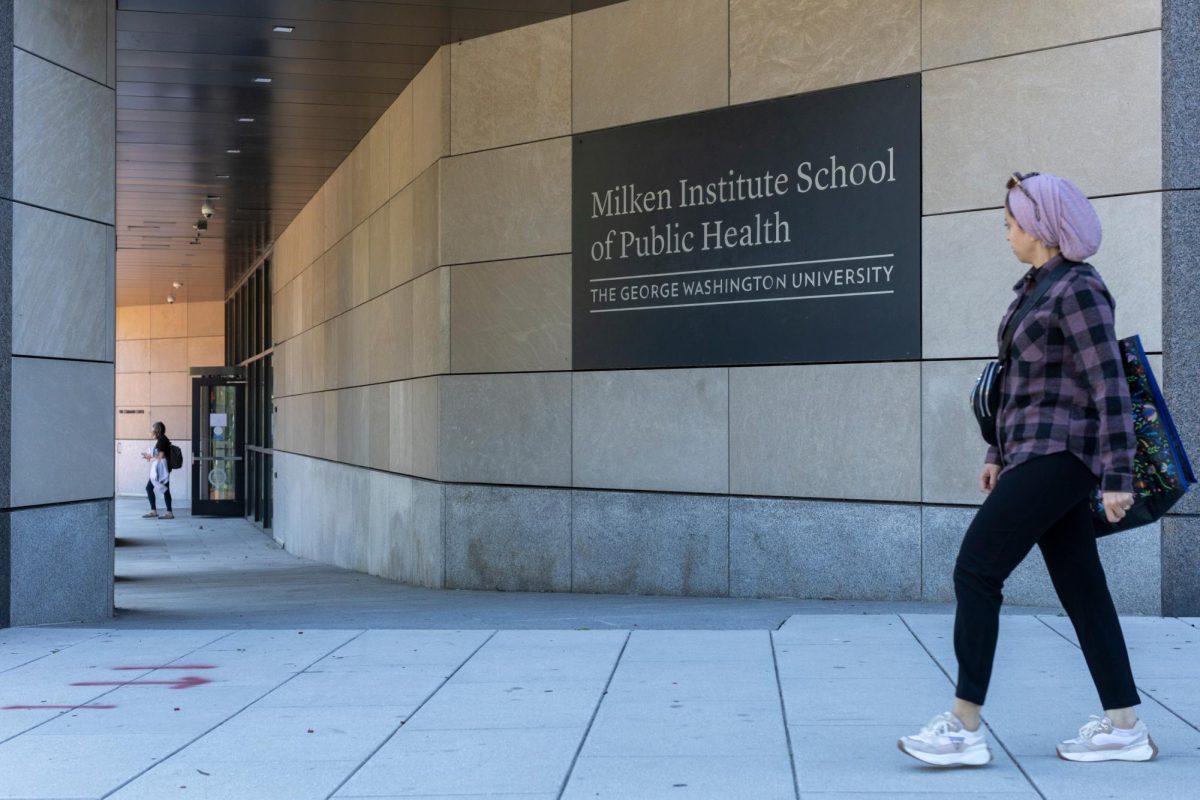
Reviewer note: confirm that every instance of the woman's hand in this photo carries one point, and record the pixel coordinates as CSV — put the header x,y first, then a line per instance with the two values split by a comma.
x,y
988,478
1116,504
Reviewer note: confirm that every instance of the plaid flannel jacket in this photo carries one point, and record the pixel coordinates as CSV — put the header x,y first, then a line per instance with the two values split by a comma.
x,y
1063,387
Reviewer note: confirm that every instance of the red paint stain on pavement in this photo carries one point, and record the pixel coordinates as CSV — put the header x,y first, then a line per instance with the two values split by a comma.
x,y
71,708
181,683
170,666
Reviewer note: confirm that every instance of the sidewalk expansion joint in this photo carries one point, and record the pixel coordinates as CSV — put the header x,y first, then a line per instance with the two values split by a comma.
x,y
592,720
1141,691
787,731
415,711
995,735
195,739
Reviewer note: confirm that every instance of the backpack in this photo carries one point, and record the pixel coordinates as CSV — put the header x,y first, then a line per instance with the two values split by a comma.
x,y
174,457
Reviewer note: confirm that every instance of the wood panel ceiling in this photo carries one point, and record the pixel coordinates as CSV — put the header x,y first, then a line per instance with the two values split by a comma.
x,y
186,73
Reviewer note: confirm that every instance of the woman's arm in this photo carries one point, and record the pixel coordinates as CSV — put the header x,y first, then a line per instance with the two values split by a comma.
x,y
1087,324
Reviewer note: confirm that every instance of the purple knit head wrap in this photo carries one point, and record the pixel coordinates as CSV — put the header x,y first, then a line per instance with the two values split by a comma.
x,y
1067,219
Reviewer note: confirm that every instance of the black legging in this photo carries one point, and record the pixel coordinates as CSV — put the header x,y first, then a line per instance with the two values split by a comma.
x,y
166,495
1044,501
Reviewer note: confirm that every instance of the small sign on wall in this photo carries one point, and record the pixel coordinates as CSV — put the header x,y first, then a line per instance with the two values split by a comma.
x,y
781,232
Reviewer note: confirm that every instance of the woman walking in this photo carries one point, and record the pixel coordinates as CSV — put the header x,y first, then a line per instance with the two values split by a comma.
x,y
1063,428
159,457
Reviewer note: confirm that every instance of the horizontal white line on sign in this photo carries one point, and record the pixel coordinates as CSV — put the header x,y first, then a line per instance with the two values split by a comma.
x,y
736,302
732,269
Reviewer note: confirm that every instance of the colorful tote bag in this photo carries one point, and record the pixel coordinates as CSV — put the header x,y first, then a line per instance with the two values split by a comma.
x,y
1161,470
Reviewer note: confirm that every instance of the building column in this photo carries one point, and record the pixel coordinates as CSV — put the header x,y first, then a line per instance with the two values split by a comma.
x,y
1181,289
57,282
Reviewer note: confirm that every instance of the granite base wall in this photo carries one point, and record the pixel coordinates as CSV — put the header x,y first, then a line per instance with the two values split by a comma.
x,y
375,522
1181,94
5,327
61,563
5,567
1181,294
1181,566
529,539
1181,323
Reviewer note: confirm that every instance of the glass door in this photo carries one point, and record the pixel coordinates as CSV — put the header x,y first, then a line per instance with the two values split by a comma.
x,y
218,452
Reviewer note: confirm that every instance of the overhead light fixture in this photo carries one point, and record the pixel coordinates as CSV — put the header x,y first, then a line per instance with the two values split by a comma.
x,y
262,80
177,285
206,208
233,151
284,28
222,177
245,119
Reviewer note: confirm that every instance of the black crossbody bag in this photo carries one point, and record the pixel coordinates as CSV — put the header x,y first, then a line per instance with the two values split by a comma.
x,y
985,397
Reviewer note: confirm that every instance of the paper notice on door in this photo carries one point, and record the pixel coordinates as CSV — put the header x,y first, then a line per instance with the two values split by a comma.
x,y
217,420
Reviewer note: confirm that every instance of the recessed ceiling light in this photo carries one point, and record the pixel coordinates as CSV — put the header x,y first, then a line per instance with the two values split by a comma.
x,y
222,177
245,119
262,80
284,28
233,151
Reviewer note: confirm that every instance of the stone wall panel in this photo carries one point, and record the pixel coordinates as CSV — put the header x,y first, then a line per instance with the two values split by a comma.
x,y
511,316
508,429
640,543
785,47
62,563
511,87
956,31
647,59
844,431
652,429
54,402
972,140
64,137
818,550
509,539
507,203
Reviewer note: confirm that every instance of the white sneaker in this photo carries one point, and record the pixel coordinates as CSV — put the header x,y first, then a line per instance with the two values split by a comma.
x,y
944,742
1100,740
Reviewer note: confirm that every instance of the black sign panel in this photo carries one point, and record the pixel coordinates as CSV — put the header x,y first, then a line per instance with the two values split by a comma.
x,y
781,232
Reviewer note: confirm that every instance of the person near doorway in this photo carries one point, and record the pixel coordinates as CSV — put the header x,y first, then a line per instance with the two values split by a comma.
x,y
160,471
1065,430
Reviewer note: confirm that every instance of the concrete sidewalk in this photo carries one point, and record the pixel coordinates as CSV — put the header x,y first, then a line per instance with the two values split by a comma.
x,y
740,710
811,710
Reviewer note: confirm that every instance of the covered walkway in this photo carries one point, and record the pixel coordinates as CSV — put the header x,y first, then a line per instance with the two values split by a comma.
x,y
225,573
